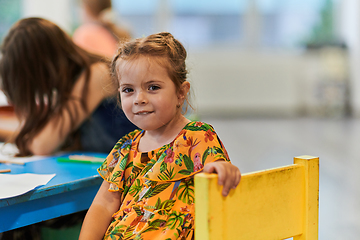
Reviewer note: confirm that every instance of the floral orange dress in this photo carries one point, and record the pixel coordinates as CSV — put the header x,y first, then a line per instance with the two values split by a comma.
x,y
157,187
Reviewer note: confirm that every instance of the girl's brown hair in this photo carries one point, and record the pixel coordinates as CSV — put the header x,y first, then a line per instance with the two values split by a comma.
x,y
162,45
38,69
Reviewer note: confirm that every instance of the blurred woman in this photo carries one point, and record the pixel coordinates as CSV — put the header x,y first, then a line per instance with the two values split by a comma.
x,y
98,33
62,95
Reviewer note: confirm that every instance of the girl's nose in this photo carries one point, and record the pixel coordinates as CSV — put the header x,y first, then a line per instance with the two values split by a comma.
x,y
140,98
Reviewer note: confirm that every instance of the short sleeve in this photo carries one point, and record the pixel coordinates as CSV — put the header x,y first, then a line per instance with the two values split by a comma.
x,y
113,168
195,146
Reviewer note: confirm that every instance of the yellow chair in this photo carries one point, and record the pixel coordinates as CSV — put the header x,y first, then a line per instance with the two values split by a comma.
x,y
277,203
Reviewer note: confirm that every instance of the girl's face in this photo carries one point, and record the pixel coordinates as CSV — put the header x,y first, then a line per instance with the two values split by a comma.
x,y
148,96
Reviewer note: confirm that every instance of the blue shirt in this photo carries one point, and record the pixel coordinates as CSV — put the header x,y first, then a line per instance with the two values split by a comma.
x,y
105,127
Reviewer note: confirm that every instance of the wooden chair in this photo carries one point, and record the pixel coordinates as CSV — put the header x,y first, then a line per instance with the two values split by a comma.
x,y
277,203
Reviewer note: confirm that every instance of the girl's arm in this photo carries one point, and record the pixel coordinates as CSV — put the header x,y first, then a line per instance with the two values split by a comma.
x,y
56,131
228,174
99,215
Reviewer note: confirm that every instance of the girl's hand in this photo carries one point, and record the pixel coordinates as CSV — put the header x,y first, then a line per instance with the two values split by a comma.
x,y
228,174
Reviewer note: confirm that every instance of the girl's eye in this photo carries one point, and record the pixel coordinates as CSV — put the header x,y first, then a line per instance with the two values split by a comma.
x,y
154,87
127,90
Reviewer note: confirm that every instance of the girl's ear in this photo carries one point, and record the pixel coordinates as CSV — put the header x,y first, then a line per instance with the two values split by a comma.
x,y
183,91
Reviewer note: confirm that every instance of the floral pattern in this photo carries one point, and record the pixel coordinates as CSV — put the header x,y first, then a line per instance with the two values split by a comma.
x,y
157,188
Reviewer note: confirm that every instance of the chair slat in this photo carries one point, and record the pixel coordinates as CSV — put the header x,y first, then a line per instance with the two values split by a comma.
x,y
269,204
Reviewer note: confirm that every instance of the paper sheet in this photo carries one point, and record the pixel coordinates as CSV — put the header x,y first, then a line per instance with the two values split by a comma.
x,y
7,152
16,184
3,100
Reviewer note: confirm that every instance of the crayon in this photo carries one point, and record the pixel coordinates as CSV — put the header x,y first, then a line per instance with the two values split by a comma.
x,y
80,159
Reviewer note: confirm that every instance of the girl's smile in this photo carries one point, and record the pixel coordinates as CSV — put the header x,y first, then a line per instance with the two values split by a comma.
x,y
143,113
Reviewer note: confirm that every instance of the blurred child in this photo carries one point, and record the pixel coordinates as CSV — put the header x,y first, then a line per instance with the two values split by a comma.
x,y
148,187
62,95
98,33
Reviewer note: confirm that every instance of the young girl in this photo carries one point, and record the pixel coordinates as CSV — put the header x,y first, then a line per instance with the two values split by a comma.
x,y
148,188
61,94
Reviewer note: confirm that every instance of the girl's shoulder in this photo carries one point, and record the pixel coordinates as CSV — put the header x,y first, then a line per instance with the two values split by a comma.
x,y
100,72
99,84
200,136
122,146
195,128
128,139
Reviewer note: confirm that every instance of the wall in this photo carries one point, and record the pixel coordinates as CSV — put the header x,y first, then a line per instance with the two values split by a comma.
x,y
230,82
248,83
57,11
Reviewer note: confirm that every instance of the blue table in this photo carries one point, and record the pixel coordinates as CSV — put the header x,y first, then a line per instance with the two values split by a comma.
x,y
71,190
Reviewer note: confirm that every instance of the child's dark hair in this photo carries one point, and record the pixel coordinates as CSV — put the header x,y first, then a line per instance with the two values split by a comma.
x,y
162,45
39,67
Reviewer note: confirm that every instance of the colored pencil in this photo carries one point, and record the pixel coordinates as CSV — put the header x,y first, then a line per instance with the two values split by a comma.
x,y
12,162
81,159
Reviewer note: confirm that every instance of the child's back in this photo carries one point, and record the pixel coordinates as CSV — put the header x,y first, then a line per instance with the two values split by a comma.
x,y
56,88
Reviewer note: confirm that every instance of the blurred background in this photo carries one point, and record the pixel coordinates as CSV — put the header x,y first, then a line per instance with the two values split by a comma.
x,y
276,78
271,57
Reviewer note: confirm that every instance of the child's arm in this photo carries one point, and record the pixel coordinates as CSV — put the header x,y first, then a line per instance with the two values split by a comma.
x,y
228,174
99,215
58,128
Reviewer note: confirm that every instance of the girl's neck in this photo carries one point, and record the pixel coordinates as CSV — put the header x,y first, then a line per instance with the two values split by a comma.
x,y
152,140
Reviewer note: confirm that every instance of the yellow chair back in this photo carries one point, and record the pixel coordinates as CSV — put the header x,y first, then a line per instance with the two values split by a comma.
x,y
277,203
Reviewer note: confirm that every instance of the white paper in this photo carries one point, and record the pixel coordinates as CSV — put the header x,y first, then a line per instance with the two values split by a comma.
x,y
12,185
3,100
8,151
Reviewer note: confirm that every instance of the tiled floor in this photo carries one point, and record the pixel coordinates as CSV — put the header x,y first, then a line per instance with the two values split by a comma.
x,y
256,144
